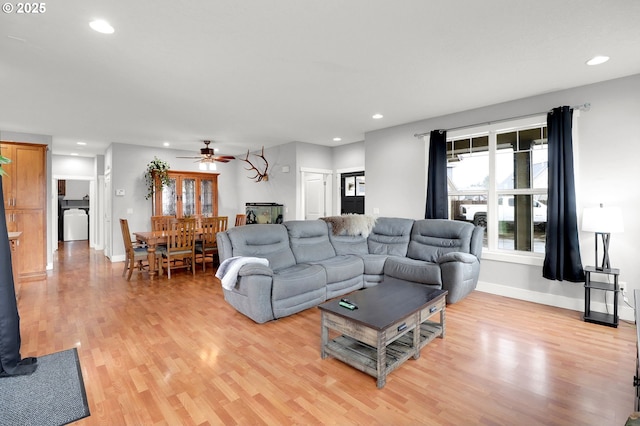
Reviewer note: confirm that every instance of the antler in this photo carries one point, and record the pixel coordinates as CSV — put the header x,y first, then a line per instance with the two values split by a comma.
x,y
259,176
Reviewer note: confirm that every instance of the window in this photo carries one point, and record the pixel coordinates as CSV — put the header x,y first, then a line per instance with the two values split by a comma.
x,y
497,178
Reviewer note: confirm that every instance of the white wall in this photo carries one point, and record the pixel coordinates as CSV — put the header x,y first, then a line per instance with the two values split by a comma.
x,y
607,172
76,189
281,186
349,156
69,167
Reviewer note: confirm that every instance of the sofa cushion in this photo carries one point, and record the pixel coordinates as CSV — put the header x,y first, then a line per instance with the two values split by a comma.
x,y
309,240
341,268
413,270
390,235
268,241
348,244
432,238
374,263
297,288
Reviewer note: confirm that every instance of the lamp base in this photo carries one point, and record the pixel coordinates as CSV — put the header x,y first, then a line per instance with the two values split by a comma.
x,y
606,264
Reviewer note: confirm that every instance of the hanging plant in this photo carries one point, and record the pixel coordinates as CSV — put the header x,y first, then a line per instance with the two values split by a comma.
x,y
157,168
3,160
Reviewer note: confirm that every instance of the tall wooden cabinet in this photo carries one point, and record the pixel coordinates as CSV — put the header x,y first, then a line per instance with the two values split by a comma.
x,y
24,187
188,194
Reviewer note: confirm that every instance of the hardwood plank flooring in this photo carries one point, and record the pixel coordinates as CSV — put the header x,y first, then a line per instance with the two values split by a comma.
x,y
173,352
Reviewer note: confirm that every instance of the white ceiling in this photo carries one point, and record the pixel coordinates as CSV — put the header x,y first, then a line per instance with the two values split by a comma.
x,y
266,72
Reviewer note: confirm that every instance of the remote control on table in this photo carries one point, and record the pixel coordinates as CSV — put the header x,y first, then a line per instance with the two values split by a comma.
x,y
345,303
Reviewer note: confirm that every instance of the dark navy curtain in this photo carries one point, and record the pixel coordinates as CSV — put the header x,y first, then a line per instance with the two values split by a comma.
x,y
562,253
437,203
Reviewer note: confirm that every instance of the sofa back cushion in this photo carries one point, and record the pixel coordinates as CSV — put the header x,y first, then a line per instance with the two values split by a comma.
x,y
432,238
390,236
309,240
268,241
347,244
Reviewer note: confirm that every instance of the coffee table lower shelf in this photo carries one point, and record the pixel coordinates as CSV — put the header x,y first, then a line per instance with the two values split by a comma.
x,y
365,357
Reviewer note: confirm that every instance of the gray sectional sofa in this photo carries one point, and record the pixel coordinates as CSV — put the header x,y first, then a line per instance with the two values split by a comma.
x,y
308,264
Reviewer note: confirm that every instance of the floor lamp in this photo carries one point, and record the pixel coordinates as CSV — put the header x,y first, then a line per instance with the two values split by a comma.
x,y
603,221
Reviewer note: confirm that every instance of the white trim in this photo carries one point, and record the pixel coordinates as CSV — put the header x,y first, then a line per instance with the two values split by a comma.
x,y
327,173
624,312
509,256
350,170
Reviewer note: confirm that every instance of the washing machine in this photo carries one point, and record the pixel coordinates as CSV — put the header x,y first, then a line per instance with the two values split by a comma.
x,y
76,225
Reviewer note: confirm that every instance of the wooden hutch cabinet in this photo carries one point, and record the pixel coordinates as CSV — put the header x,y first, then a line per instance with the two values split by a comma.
x,y
188,194
24,188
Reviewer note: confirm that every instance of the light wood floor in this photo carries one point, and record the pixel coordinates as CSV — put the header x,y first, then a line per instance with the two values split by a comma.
x,y
174,353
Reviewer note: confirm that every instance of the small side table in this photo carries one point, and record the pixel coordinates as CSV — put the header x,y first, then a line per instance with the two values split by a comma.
x,y
610,320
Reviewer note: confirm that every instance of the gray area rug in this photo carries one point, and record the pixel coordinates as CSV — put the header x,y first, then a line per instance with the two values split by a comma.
x,y
53,395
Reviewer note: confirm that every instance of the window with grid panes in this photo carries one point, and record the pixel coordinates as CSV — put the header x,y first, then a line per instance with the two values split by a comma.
x,y
497,178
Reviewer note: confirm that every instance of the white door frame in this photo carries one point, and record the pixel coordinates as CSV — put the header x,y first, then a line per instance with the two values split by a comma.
x,y
301,210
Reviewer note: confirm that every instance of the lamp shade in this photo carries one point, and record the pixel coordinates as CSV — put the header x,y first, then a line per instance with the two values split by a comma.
x,y
603,220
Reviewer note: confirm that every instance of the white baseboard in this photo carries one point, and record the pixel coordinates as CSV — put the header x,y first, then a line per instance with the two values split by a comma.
x,y
625,312
118,258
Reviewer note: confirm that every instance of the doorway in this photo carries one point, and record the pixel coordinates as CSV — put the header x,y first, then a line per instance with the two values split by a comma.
x,y
352,192
316,193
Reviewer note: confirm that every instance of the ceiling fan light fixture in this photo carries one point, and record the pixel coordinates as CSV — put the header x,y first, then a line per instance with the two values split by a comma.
x,y
207,165
207,155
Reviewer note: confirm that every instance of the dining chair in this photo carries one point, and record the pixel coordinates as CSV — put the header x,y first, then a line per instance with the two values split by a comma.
x,y
241,219
134,254
160,223
207,246
180,245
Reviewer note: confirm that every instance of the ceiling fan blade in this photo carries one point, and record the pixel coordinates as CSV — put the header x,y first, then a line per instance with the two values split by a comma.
x,y
223,158
188,157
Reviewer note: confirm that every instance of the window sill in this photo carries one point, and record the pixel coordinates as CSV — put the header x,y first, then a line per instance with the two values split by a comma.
x,y
511,257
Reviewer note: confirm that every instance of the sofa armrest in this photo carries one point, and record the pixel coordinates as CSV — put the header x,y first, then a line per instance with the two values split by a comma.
x,y
457,256
251,295
255,269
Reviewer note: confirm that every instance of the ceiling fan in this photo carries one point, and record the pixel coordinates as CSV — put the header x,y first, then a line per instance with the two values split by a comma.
x,y
207,155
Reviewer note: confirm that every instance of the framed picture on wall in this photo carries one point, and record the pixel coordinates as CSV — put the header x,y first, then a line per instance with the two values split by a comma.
x,y
350,186
360,185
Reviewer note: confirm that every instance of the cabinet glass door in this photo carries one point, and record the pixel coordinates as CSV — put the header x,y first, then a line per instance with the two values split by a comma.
x,y
206,197
169,198
188,197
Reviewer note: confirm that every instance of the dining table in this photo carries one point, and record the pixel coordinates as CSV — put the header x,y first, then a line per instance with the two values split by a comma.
x,y
152,239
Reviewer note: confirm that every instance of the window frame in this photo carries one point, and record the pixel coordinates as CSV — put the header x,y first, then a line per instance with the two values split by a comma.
x,y
492,193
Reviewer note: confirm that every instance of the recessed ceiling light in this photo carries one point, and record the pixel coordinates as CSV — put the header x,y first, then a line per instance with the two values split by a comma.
x,y
74,153
377,116
101,26
81,143
597,60
166,144
337,139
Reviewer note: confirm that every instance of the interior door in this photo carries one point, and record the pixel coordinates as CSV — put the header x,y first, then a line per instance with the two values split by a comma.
x,y
315,196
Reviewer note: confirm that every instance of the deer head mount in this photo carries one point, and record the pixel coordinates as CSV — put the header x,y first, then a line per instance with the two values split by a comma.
x,y
259,176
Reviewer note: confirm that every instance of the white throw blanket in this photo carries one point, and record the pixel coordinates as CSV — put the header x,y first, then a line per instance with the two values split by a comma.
x,y
229,268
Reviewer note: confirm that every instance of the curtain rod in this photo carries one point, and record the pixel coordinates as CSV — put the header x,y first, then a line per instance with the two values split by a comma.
x,y
582,107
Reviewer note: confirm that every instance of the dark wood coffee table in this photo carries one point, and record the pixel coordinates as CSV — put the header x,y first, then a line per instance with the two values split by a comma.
x,y
392,323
